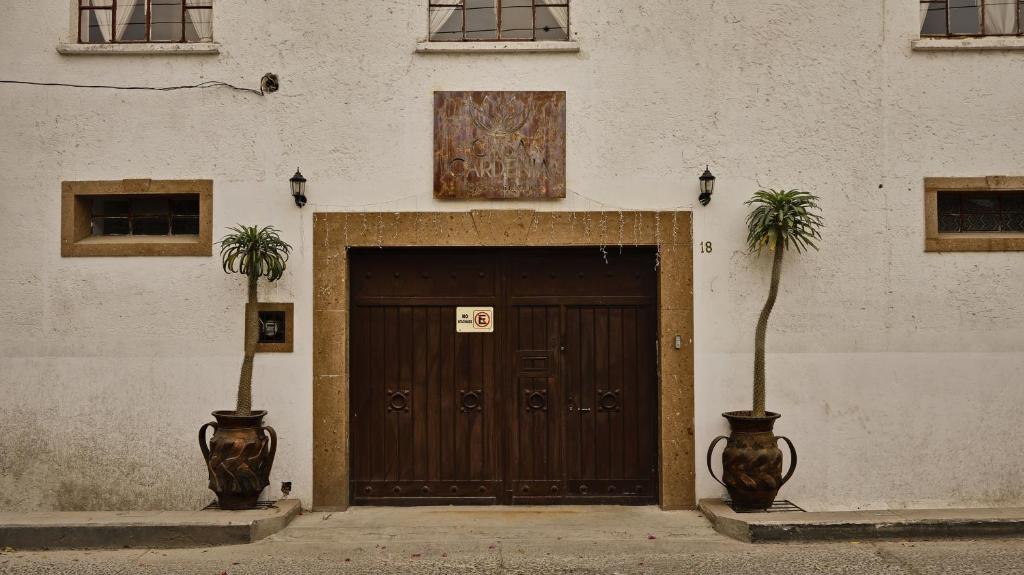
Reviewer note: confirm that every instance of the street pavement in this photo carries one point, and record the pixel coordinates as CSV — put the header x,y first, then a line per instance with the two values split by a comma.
x,y
527,541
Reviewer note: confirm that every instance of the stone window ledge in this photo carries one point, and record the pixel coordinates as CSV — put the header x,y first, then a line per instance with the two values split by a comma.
x,y
496,47
181,49
973,43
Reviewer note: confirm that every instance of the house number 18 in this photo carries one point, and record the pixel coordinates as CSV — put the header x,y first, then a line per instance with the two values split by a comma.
x,y
705,247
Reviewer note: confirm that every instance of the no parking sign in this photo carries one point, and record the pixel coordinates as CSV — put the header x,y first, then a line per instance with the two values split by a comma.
x,y
474,319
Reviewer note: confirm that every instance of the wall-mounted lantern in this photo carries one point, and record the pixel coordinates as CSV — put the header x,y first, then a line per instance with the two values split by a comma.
x,y
298,188
707,186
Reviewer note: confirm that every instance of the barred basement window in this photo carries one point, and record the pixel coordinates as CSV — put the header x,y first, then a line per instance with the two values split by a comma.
x,y
482,20
132,21
145,216
972,17
137,218
974,214
963,212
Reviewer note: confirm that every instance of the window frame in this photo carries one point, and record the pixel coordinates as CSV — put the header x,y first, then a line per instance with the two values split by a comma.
x,y
460,4
185,8
981,23
77,239
936,241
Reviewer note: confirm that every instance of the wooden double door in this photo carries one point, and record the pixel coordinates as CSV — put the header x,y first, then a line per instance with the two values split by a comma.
x,y
557,405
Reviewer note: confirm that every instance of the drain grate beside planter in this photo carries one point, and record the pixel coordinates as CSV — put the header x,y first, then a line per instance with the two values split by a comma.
x,y
259,505
778,506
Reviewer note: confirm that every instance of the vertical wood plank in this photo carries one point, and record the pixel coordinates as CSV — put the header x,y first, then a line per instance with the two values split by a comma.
x,y
588,444
434,415
573,438
631,404
616,439
476,436
449,413
406,453
602,447
391,362
418,417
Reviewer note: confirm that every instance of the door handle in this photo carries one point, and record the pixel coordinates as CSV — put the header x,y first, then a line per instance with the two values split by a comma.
x,y
584,410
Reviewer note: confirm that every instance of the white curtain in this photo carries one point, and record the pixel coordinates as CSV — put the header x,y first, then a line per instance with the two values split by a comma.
x,y
562,17
199,25
924,13
1000,16
439,16
103,18
124,16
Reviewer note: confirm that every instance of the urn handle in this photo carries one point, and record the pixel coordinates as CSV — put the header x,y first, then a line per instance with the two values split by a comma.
x,y
273,444
711,450
792,460
202,439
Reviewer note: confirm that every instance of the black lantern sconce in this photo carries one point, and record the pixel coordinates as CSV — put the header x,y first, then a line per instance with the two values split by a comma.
x,y
298,188
707,186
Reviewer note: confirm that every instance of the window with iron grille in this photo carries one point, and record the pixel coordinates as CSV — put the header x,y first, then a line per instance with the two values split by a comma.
x,y
128,21
972,17
482,20
139,217
974,214
145,216
961,212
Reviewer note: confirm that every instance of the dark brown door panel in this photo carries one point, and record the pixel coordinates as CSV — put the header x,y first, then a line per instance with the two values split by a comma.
x,y
558,405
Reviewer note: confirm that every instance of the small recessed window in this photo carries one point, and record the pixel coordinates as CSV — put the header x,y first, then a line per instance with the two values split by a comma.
x,y
137,217
974,214
275,327
490,20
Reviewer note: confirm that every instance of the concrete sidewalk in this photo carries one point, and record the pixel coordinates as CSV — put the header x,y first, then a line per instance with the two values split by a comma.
x,y
525,541
143,529
797,526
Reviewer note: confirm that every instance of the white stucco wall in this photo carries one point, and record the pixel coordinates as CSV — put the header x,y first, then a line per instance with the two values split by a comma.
x,y
898,372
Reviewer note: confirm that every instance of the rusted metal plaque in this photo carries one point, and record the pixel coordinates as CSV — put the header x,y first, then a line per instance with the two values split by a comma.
x,y
499,145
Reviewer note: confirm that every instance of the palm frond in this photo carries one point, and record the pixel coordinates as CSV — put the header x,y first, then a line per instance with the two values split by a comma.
x,y
781,219
255,252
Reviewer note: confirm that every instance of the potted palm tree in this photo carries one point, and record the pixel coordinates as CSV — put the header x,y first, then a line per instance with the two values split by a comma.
x,y
752,461
240,454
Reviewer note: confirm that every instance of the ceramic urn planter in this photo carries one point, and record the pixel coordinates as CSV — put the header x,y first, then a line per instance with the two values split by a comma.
x,y
752,460
239,457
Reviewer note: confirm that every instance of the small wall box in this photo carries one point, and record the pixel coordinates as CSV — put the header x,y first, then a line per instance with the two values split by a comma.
x,y
276,327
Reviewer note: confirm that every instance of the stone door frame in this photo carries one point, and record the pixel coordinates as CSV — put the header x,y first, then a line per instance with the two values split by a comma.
x,y
335,232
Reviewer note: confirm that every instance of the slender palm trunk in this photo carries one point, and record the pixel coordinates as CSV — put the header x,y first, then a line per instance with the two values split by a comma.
x,y
762,328
252,328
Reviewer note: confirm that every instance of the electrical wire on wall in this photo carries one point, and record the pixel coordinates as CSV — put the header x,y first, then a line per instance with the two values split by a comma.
x,y
268,85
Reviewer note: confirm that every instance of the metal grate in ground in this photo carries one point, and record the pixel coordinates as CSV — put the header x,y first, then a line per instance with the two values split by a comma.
x,y
259,505
778,506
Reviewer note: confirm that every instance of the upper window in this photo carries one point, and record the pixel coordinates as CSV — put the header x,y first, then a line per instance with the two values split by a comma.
x,y
972,17
126,21
519,20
